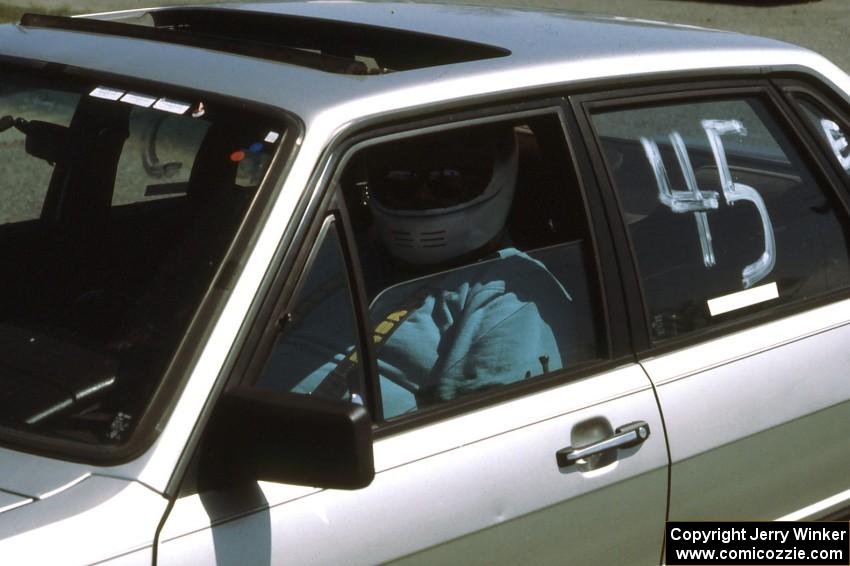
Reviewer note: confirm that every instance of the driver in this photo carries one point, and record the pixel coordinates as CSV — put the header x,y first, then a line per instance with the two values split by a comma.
x,y
472,313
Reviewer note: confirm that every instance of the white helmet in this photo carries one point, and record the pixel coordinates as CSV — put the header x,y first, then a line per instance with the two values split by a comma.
x,y
435,199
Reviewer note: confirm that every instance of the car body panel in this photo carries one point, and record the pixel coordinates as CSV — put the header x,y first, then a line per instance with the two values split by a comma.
x,y
459,505
412,512
756,415
98,519
9,501
38,477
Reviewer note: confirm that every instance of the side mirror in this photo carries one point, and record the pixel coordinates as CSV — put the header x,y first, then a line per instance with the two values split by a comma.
x,y
258,434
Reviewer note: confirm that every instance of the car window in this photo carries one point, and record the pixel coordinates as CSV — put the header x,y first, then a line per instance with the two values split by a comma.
x,y
724,217
307,358
476,257
22,173
833,133
107,276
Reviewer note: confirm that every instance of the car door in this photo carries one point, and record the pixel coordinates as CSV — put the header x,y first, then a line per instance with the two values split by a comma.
x,y
739,239
564,462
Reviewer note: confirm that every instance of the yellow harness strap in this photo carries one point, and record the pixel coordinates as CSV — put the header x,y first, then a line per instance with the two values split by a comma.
x,y
336,383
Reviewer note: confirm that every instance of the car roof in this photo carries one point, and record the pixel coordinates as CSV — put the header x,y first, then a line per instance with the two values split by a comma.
x,y
545,49
527,34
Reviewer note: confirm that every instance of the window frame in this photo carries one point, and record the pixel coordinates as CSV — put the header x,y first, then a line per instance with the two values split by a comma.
x,y
328,201
786,119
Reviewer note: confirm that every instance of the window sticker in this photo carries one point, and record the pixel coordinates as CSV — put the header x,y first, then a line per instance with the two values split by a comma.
x,y
106,93
173,106
699,203
742,299
142,100
838,141
271,137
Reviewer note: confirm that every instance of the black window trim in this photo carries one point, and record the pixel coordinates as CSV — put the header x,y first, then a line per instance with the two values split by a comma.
x,y
619,334
337,217
798,135
361,309
617,231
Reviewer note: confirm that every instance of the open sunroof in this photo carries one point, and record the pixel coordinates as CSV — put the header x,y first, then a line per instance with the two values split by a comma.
x,y
328,45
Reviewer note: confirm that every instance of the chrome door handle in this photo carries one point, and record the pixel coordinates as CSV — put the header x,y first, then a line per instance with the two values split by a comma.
x,y
625,436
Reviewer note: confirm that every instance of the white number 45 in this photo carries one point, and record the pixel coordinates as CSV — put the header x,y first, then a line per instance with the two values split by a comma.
x,y
694,201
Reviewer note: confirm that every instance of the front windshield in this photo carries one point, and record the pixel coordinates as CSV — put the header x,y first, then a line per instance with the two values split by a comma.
x,y
116,208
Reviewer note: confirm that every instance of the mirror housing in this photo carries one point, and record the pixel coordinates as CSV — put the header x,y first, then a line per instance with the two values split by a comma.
x,y
256,434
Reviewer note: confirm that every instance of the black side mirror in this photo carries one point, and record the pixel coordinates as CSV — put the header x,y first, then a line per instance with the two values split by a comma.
x,y
257,434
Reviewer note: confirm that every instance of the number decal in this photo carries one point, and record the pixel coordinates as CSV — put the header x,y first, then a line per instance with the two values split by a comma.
x,y
692,200
838,141
698,202
735,192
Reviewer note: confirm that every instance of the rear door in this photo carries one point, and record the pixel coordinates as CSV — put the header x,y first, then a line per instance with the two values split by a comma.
x,y
739,240
563,462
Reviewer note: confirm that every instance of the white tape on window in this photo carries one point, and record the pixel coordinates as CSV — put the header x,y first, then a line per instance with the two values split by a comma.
x,y
742,299
106,93
173,106
142,100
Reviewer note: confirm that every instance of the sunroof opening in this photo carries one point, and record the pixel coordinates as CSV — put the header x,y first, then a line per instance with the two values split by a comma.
x,y
328,45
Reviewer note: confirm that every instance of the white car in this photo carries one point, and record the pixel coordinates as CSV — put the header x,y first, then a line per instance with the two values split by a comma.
x,y
355,283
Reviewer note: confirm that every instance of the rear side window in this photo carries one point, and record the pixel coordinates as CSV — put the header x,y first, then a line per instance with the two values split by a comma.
x,y
724,217
832,130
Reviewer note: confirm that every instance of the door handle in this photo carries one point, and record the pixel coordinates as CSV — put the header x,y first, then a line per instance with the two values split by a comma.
x,y
625,436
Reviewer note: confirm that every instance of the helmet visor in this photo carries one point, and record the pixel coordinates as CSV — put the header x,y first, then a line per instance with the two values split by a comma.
x,y
431,173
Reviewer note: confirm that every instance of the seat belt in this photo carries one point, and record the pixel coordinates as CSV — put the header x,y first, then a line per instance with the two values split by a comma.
x,y
336,383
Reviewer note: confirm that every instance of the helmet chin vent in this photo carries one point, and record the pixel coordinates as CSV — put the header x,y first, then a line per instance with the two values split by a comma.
x,y
402,239
436,239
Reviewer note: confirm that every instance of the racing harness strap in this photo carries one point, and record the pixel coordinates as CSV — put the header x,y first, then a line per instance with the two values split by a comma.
x,y
336,383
